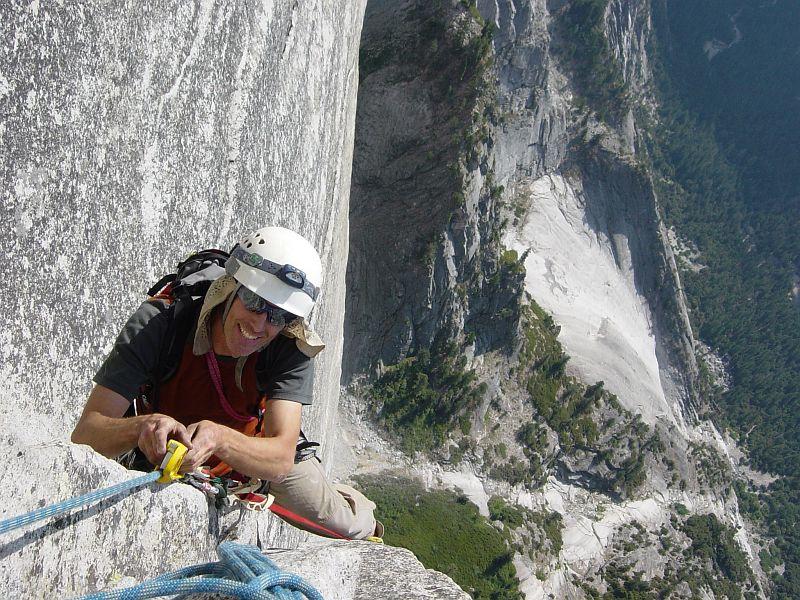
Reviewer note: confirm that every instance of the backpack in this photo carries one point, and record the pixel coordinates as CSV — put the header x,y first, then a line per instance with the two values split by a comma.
x,y
193,276
184,291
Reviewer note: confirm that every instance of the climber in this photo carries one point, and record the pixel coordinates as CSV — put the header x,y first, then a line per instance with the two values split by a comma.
x,y
241,377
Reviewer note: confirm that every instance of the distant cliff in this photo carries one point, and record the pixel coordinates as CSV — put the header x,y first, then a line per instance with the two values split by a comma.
x,y
444,148
514,308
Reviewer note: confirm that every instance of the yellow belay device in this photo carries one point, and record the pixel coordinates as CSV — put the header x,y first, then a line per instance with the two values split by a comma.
x,y
172,462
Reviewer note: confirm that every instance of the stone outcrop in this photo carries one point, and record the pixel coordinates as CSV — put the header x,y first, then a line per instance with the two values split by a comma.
x,y
443,168
446,173
421,217
628,26
616,204
363,571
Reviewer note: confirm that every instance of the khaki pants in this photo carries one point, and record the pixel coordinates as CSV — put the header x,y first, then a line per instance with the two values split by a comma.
x,y
307,492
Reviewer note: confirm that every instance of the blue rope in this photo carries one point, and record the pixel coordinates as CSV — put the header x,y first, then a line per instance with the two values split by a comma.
x,y
242,572
67,505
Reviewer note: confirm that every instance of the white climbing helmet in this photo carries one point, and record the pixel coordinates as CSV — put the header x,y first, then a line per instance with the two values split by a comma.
x,y
279,265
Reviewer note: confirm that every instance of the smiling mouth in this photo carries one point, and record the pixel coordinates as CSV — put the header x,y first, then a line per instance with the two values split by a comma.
x,y
248,335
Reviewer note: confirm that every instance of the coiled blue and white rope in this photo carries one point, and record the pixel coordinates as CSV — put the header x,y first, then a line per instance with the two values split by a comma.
x,y
242,572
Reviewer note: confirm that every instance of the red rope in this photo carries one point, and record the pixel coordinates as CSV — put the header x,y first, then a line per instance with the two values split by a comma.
x,y
316,527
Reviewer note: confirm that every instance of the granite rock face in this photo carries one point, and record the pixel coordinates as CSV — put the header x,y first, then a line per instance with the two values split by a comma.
x,y
445,166
363,570
133,134
628,27
417,232
639,342
121,540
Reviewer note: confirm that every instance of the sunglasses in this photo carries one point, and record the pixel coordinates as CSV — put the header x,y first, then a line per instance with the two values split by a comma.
x,y
256,304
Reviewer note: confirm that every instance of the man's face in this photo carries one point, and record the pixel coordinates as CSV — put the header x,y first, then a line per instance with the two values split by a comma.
x,y
247,332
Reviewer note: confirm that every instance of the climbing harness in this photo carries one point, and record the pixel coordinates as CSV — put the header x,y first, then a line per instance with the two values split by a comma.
x,y
230,491
242,572
230,488
226,486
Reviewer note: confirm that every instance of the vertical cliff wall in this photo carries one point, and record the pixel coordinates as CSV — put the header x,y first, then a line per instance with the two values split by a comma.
x,y
132,134
450,161
598,262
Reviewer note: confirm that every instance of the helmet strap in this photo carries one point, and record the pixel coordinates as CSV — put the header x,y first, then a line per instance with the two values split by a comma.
x,y
229,303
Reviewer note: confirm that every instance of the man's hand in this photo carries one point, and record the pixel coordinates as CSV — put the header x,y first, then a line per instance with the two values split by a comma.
x,y
154,433
104,427
206,437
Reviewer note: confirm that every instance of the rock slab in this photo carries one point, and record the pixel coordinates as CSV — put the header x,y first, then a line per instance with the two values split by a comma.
x,y
364,571
132,134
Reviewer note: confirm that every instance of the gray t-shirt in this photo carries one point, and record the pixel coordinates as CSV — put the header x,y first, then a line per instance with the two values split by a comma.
x,y
282,371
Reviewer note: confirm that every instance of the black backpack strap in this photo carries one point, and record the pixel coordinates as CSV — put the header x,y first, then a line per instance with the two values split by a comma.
x,y
159,285
185,310
190,283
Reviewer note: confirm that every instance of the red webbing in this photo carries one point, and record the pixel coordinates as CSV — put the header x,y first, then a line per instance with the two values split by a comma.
x,y
316,527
